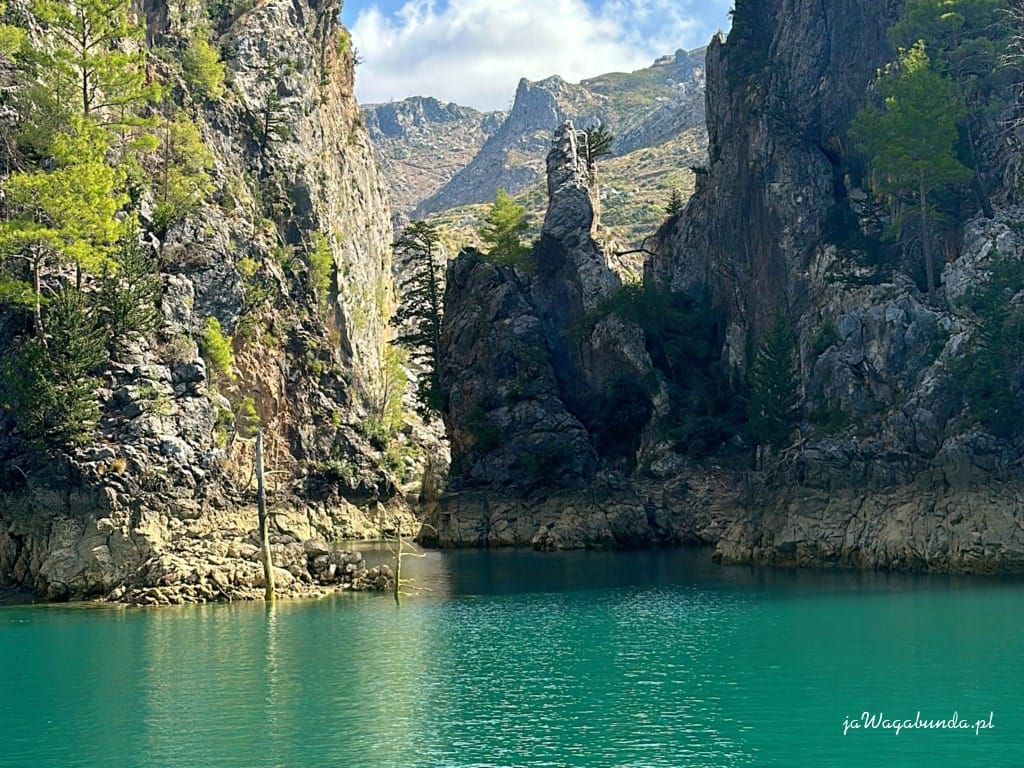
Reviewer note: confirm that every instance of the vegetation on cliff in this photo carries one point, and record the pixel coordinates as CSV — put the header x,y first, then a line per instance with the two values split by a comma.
x,y
502,231
932,114
420,311
911,140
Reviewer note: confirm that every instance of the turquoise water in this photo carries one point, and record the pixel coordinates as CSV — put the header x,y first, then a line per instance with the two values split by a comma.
x,y
523,659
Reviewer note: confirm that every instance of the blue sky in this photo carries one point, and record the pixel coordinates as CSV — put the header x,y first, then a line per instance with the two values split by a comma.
x,y
473,52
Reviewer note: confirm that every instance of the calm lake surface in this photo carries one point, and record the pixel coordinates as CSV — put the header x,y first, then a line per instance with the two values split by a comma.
x,y
526,659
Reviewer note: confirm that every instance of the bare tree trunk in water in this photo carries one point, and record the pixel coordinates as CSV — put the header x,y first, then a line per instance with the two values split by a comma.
x,y
261,501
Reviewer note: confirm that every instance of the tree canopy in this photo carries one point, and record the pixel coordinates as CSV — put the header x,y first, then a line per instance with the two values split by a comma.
x,y
909,134
502,230
97,65
420,309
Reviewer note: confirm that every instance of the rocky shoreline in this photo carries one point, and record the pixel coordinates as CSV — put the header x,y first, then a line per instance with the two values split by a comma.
x,y
307,569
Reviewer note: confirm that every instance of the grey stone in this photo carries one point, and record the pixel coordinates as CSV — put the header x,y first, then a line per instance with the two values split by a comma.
x,y
190,372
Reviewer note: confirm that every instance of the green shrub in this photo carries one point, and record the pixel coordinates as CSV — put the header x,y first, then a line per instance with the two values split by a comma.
x,y
321,266
216,348
247,420
486,434
824,337
203,68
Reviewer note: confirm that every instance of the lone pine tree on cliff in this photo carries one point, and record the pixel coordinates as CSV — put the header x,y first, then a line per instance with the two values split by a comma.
x,y
910,138
503,229
419,314
774,407
597,142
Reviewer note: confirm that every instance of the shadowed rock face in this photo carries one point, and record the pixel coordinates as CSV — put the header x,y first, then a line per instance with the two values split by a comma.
x,y
890,469
536,394
512,370
901,477
780,94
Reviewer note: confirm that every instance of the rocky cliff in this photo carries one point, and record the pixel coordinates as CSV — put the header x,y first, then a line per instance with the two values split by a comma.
x,y
904,477
157,505
889,464
889,470
544,408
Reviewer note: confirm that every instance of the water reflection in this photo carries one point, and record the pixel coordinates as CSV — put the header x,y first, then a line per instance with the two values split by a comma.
x,y
653,659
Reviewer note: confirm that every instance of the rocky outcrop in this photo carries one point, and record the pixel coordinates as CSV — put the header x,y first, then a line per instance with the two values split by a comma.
x,y
961,512
910,481
890,470
889,467
156,548
610,512
781,91
162,496
541,393
506,420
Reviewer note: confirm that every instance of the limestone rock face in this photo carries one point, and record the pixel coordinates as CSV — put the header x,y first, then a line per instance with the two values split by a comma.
x,y
780,94
165,489
318,169
890,472
539,399
507,423
908,480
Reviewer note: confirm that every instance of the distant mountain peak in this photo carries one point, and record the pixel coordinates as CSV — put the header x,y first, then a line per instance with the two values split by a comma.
x,y
643,108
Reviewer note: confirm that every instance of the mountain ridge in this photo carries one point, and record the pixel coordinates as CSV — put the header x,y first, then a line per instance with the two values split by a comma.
x,y
644,108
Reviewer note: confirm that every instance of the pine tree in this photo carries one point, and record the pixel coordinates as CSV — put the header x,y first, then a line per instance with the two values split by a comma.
x,y
420,309
961,35
129,293
97,65
911,137
203,68
71,206
774,407
964,39
181,178
675,203
503,226
48,382
65,215
989,370
597,142
94,69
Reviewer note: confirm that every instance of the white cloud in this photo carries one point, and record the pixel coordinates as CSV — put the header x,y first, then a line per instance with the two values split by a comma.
x,y
474,51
